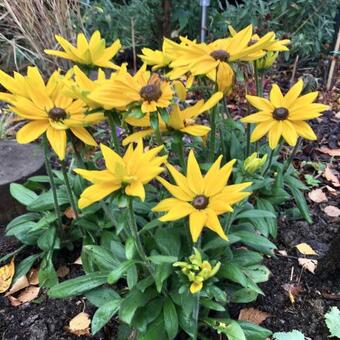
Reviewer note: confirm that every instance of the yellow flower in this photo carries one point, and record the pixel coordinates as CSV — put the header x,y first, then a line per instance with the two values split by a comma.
x,y
207,58
284,115
130,172
267,61
202,198
180,120
157,59
143,89
253,163
47,109
92,52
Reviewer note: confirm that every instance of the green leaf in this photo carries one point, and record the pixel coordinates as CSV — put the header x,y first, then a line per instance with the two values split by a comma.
x,y
293,335
132,276
154,120
245,257
256,242
233,331
158,259
220,243
170,318
186,322
163,271
258,273
101,295
254,332
332,319
244,295
103,315
78,285
22,194
45,201
117,273
24,266
155,330
301,203
208,303
270,222
233,273
151,225
168,242
255,213
101,257
130,248
47,240
47,275
164,114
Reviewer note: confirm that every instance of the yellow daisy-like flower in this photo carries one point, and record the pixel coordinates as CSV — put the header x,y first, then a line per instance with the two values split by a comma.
x,y
180,120
143,89
284,115
210,58
92,52
130,172
47,109
203,198
157,59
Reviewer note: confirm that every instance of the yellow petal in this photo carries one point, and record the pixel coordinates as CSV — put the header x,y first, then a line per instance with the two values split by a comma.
x,y
175,190
196,130
134,137
136,189
166,204
274,134
304,130
261,129
84,135
179,210
276,96
194,175
197,220
261,104
195,287
292,95
214,224
31,131
289,133
111,158
258,117
57,139
95,176
180,179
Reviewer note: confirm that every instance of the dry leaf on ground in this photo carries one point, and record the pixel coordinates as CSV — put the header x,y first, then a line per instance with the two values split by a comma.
x,y
317,196
253,315
330,176
6,276
283,252
332,211
78,261
309,264
80,325
293,291
305,249
331,152
19,284
27,295
63,271
33,277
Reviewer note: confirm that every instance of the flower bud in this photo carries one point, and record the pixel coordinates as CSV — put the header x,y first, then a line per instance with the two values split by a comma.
x,y
266,61
253,163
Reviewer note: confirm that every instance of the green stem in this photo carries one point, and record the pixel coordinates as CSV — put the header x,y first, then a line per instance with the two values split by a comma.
x,y
52,183
69,190
180,150
114,138
248,128
293,153
269,163
212,135
136,237
226,109
258,81
196,309
158,136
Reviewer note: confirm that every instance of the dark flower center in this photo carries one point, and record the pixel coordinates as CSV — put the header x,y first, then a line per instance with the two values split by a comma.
x,y
151,92
221,55
57,114
280,113
200,202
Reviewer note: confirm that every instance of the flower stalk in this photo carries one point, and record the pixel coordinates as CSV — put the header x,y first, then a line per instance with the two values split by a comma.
x,y
196,309
292,154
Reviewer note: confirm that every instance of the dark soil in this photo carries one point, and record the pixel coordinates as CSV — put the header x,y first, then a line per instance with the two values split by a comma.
x,y
48,318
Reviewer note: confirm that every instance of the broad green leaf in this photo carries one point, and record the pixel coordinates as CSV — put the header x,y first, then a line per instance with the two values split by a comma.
x,y
132,276
256,242
293,335
244,295
151,225
254,332
155,330
207,303
104,314
22,194
301,203
48,239
102,257
255,213
233,272
47,274
168,242
258,273
45,201
78,285
158,259
118,272
24,266
101,295
245,257
332,319
170,318
163,271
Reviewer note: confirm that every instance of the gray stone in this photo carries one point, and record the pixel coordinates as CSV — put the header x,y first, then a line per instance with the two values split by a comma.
x,y
17,163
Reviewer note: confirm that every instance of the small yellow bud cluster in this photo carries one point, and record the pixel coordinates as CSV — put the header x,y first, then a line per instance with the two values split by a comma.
x,y
197,270
253,163
266,61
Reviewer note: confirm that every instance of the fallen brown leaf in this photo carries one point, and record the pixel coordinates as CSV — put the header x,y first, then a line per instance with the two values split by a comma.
x,y
309,264
27,295
63,271
331,152
80,325
305,249
33,277
330,176
6,276
317,196
19,284
332,211
331,190
253,315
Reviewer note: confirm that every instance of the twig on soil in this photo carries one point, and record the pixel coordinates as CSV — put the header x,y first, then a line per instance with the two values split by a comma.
x,y
331,296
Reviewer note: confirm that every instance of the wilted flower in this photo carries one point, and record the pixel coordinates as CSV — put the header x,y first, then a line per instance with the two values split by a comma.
x,y
130,172
92,52
284,115
253,163
48,109
202,198
197,270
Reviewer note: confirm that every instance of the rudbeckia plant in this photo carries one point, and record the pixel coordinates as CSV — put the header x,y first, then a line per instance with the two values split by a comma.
x,y
173,212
